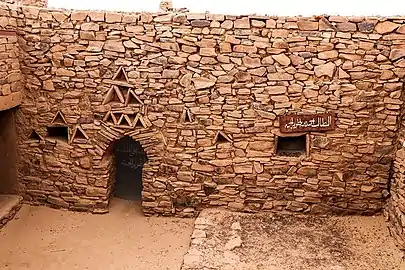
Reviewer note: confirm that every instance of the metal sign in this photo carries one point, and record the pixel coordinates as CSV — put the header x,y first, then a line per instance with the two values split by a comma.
x,y
307,122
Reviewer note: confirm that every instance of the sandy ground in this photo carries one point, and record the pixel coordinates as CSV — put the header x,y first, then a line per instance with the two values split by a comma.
x,y
223,240
43,238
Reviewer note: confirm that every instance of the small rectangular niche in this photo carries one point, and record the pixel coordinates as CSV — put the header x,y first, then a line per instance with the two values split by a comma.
x,y
291,146
60,133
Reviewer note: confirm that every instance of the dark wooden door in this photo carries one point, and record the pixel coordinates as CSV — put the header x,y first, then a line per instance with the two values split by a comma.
x,y
130,158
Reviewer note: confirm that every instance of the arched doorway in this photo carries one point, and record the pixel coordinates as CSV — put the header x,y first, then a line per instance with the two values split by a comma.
x,y
129,160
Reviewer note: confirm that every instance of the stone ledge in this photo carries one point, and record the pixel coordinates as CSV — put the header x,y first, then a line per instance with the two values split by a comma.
x,y
10,101
9,206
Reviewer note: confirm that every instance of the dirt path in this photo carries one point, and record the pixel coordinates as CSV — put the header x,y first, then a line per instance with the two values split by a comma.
x,y
43,238
224,240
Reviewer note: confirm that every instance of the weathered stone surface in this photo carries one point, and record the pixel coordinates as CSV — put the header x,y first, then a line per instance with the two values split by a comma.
x,y
65,72
172,81
282,59
386,27
202,83
48,85
327,69
307,25
242,23
115,46
396,54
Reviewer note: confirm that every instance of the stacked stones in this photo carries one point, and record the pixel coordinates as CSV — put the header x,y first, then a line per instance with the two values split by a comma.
x,y
11,204
11,83
395,208
37,3
212,88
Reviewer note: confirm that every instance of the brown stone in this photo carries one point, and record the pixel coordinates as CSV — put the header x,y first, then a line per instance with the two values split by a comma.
x,y
327,69
202,82
115,46
307,25
386,27
282,59
242,23
48,85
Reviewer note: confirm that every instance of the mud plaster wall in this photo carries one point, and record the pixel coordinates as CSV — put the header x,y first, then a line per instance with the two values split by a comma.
x,y
230,74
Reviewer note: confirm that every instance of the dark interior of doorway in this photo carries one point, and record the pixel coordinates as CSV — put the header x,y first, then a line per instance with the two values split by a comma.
x,y
8,152
129,159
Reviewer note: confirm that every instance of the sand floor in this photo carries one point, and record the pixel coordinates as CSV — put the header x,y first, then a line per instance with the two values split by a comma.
x,y
41,238
232,241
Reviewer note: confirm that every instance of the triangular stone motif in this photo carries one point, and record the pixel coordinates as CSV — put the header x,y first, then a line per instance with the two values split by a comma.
x,y
132,99
79,135
186,116
59,119
114,95
139,121
121,75
125,121
124,90
34,136
110,118
222,138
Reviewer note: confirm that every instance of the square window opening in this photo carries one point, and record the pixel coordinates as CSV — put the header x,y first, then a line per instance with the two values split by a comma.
x,y
291,146
58,133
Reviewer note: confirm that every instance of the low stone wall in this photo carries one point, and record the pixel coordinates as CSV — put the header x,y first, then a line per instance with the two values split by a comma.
x,y
8,212
203,94
37,3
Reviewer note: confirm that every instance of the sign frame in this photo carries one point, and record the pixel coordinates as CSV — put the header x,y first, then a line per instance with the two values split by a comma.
x,y
295,123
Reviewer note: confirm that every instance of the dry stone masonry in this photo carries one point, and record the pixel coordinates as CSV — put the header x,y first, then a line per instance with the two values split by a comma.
x,y
203,94
11,84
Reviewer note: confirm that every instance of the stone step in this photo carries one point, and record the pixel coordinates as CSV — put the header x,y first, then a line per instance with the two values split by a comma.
x,y
9,206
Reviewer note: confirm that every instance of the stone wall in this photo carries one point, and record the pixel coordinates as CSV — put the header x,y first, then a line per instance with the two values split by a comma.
x,y
395,206
37,3
203,94
11,82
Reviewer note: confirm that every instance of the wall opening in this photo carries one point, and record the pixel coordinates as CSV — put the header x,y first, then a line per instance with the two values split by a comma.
x,y
8,153
58,133
129,160
292,146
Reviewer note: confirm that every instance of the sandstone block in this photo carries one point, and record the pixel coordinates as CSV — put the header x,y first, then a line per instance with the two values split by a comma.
x,y
164,18
202,82
48,85
65,72
200,23
95,46
386,27
243,23
282,59
113,17
115,46
90,26
201,167
250,62
396,54
208,52
366,27
307,25
327,69
328,55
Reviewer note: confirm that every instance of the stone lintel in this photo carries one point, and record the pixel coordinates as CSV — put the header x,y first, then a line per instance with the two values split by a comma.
x,y
10,101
